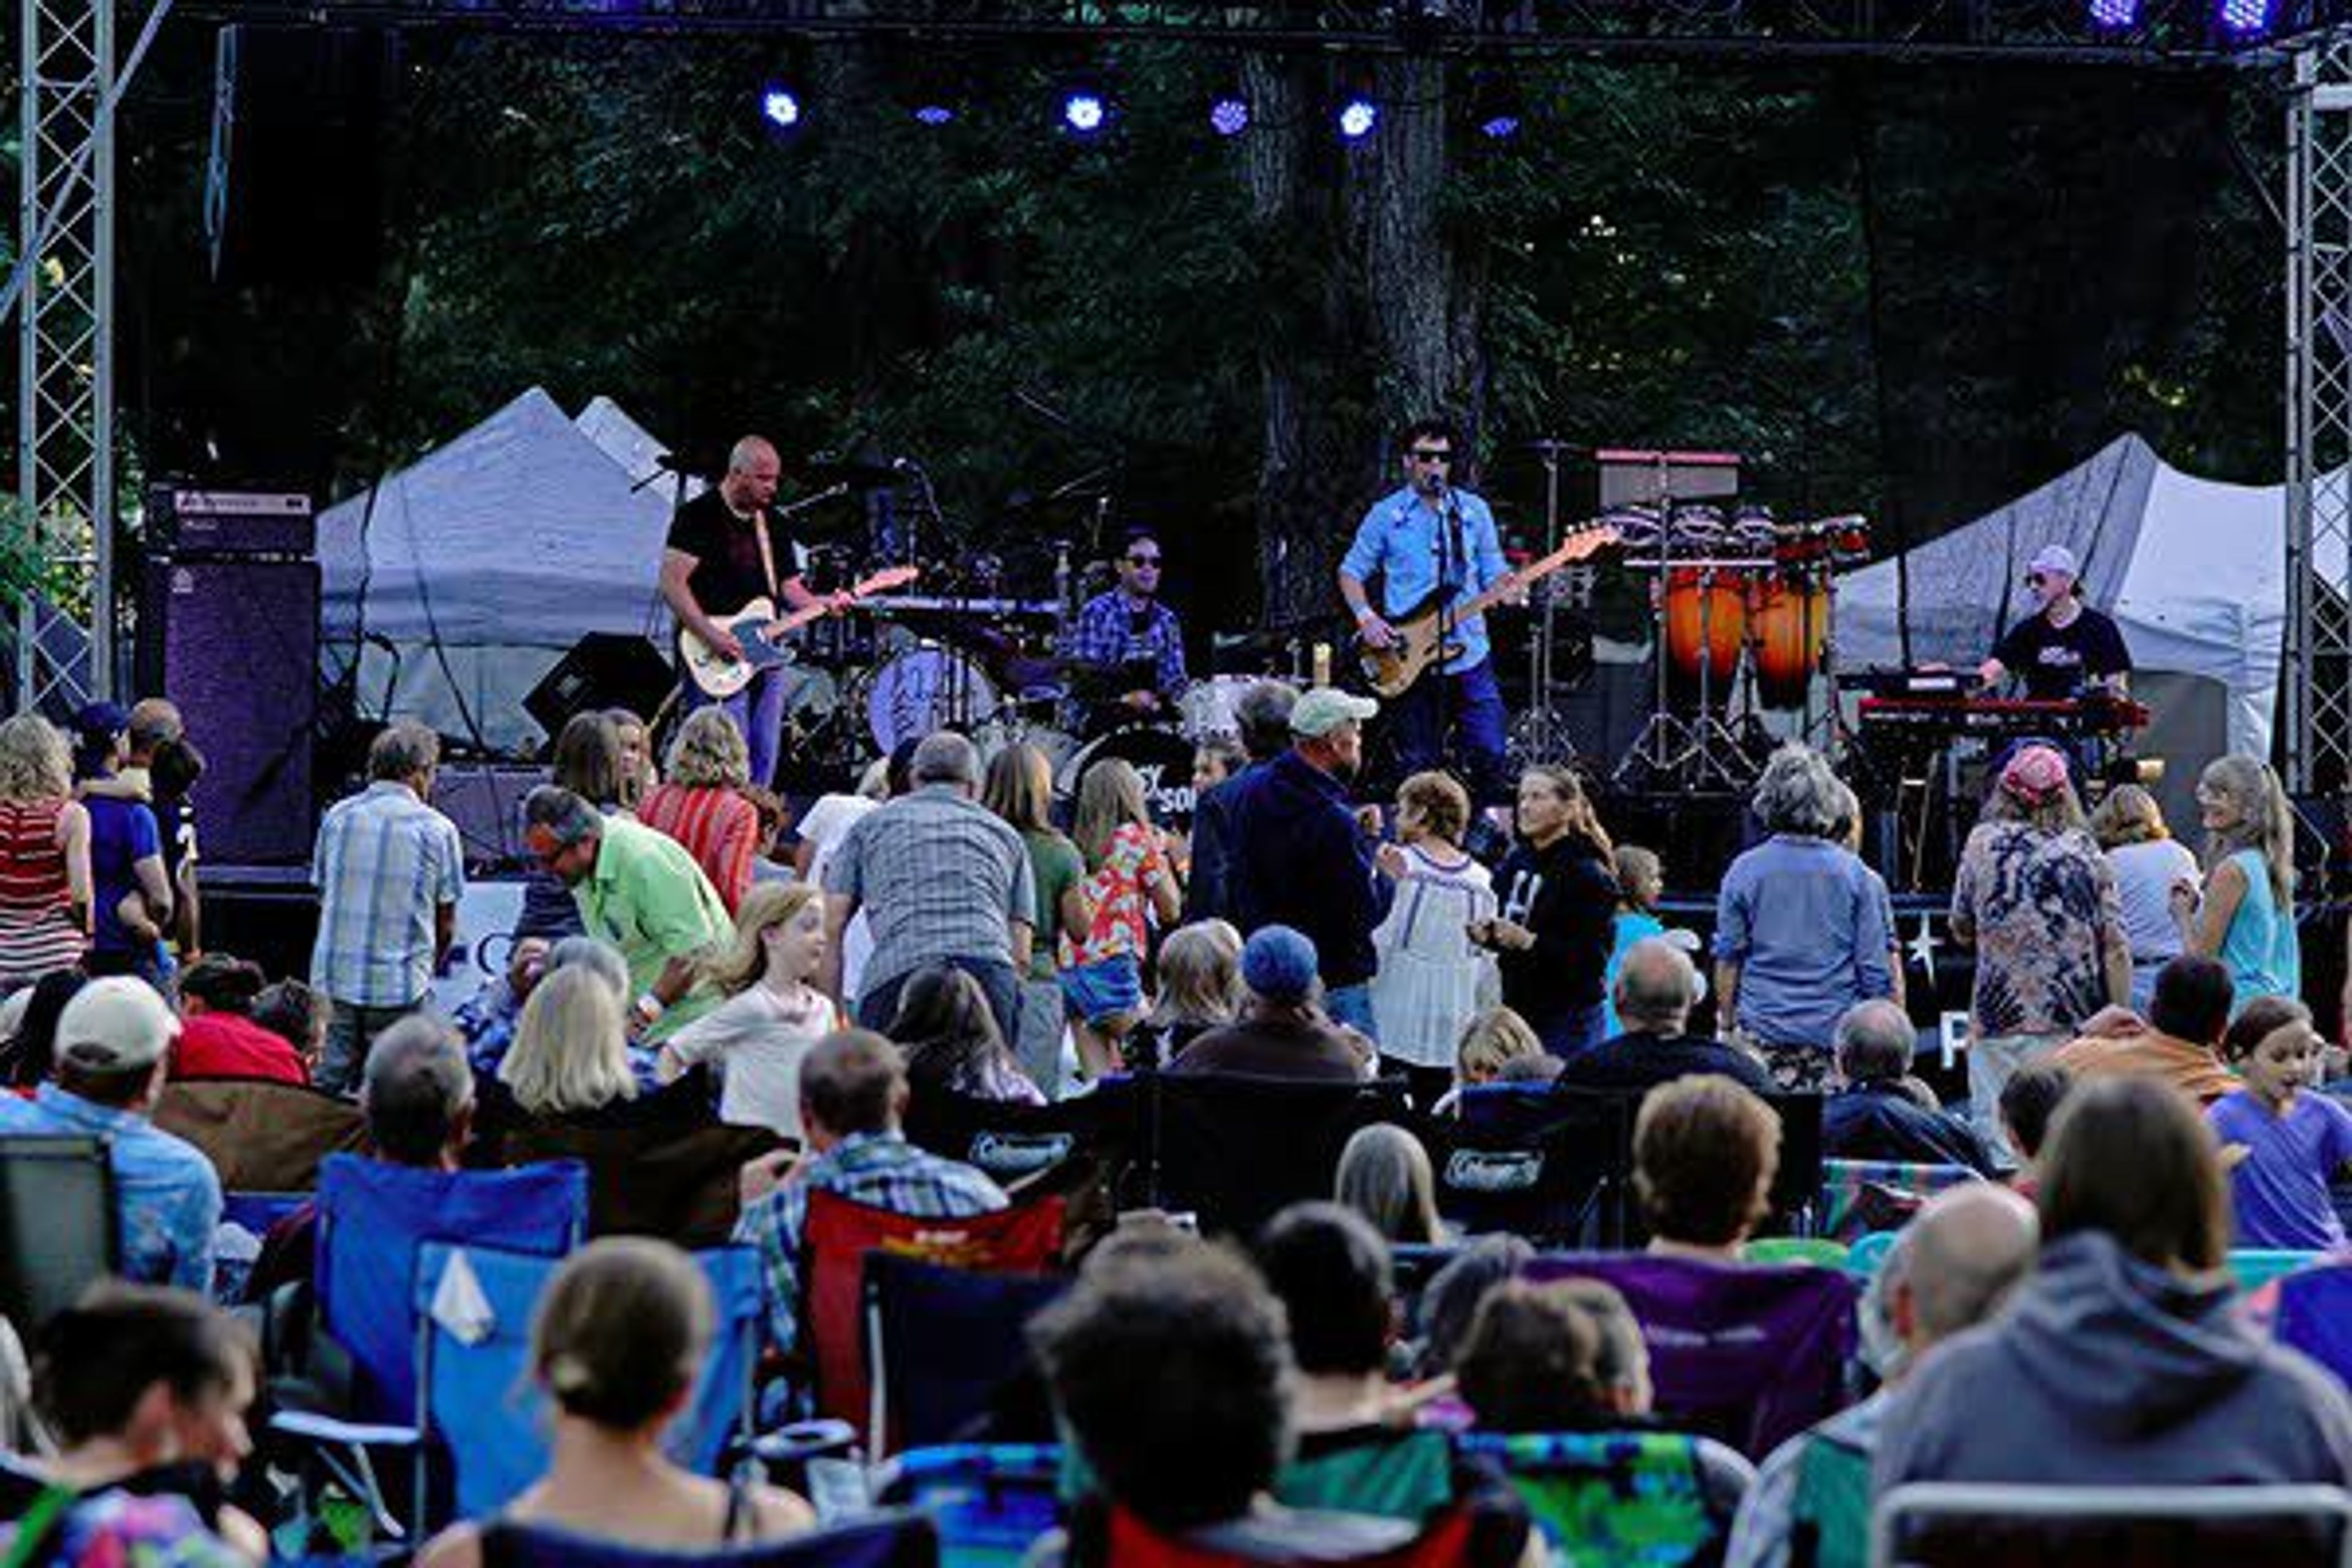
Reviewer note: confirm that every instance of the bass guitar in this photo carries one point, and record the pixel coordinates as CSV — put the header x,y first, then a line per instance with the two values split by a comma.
x,y
763,632
1423,635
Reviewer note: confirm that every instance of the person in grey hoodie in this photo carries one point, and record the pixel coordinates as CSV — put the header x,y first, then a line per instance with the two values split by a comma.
x,y
2123,1361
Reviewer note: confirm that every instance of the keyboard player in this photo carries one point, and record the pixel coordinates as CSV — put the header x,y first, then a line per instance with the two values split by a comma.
x,y
2065,648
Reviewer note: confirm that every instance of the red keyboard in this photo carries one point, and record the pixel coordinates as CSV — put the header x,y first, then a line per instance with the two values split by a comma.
x,y
1956,715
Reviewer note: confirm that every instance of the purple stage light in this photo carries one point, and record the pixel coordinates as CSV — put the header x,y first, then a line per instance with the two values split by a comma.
x,y
1500,127
1358,117
2114,14
934,114
1229,115
2243,18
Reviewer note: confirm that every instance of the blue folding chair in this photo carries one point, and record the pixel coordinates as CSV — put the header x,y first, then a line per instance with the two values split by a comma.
x,y
373,1219
894,1539
478,1404
990,1502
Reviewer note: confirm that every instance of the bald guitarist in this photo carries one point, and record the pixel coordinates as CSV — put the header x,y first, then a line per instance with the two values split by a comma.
x,y
1431,542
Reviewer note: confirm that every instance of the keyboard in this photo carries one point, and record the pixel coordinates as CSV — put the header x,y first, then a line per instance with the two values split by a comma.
x,y
1956,715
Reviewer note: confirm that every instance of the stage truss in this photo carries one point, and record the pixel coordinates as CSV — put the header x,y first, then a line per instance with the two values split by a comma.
x,y
67,194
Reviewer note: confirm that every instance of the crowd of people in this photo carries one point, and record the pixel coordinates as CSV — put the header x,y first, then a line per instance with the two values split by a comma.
x,y
2145,1090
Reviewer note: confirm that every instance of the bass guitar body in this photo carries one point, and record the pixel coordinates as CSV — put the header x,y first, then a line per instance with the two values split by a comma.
x,y
1421,642
762,649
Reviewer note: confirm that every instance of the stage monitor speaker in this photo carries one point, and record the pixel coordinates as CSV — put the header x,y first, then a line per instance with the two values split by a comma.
x,y
485,800
604,669
294,189
235,644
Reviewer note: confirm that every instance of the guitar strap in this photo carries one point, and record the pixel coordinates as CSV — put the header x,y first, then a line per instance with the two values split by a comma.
x,y
767,557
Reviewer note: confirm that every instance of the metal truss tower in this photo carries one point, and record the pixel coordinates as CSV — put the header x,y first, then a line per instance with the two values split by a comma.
x,y
2316,686
65,347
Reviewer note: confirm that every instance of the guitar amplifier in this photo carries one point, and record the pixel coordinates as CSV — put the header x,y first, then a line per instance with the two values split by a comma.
x,y
185,523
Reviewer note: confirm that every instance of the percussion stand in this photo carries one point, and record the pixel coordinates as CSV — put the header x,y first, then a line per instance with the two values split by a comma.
x,y
1714,753
1543,738
1663,744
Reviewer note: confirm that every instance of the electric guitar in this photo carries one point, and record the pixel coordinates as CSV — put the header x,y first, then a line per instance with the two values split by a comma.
x,y
763,632
1423,634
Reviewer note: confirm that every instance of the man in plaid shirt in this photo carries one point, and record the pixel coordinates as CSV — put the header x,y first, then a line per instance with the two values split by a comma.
x,y
1129,653
853,1093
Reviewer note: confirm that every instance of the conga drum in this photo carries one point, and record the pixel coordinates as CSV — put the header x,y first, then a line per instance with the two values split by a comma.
x,y
1706,621
1789,617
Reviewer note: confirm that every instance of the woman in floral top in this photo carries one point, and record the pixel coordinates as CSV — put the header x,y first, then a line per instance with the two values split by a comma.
x,y
1130,883
2037,901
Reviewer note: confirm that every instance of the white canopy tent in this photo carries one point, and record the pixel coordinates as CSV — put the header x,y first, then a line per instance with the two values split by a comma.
x,y
2193,570
460,581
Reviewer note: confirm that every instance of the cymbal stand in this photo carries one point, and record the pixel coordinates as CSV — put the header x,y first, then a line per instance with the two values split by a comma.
x,y
1542,739
1665,743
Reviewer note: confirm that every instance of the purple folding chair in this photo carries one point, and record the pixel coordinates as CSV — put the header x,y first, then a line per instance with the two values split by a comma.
x,y
1747,1353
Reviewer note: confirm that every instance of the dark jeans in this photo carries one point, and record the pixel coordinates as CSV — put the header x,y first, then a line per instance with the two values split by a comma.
x,y
1470,705
879,1005
350,1030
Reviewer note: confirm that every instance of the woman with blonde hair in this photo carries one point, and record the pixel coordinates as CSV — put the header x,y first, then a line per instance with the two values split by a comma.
x,y
1130,885
1199,989
2246,917
1557,894
1430,979
571,1050
616,1342
44,867
773,1012
700,804
1020,789
2148,863
1385,1175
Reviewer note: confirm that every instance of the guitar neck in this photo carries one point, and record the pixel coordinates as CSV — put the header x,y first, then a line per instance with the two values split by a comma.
x,y
1575,549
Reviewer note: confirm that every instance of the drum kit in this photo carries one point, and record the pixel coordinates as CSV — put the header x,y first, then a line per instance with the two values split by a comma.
x,y
1743,604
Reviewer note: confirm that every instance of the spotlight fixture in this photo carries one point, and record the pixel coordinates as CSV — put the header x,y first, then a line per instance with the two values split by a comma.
x,y
1085,112
780,107
1229,114
933,113
1496,111
2243,18
1357,118
2114,15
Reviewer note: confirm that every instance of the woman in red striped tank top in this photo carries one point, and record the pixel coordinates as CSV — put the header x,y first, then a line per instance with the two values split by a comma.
x,y
44,855
699,803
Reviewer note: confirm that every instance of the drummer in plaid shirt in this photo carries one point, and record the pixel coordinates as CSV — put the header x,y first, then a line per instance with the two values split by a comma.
x,y
853,1093
1127,656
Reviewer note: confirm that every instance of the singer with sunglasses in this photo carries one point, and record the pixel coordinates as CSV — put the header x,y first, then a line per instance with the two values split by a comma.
x,y
1422,538
2065,648
1127,655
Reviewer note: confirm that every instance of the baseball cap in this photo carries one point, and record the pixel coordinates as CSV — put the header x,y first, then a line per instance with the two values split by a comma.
x,y
1326,708
1278,964
2056,558
118,1024
2034,775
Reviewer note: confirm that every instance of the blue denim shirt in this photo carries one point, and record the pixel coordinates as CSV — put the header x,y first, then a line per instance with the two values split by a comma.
x,y
167,1195
1811,928
1398,538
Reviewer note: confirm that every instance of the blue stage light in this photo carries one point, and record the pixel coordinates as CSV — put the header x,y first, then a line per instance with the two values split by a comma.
x,y
1229,115
2114,14
1084,112
780,107
934,114
1358,119
1498,127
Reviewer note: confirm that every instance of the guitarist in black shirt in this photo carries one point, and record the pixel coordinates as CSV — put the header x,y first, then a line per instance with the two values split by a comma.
x,y
726,549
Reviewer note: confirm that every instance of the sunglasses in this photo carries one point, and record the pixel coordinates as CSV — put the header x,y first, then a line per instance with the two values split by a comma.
x,y
1421,456
1143,560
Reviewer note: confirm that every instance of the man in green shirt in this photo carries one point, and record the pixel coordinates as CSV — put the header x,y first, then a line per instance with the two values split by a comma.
x,y
638,889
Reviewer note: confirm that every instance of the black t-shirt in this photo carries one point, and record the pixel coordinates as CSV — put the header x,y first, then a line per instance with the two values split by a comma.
x,y
2058,662
728,573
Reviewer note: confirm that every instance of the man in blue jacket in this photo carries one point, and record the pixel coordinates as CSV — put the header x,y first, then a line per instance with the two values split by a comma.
x,y
1299,856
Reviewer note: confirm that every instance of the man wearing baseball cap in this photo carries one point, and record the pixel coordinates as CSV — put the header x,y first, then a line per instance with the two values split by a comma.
x,y
2065,647
1282,1032
113,1045
1299,857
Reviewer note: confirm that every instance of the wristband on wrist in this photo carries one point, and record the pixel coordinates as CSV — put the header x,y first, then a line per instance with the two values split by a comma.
x,y
650,1007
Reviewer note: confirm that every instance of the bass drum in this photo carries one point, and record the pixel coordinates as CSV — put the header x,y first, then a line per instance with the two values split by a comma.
x,y
1208,706
1790,619
927,688
999,733
1164,757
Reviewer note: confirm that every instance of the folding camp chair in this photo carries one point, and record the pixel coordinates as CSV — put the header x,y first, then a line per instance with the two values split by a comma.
x,y
2110,1527
58,1225
1041,1148
261,1135
373,1219
1635,1499
1233,1150
2256,1267
944,1346
1747,1354
1858,1196
672,1174
1552,1165
990,1502
2314,1316
893,1539
1129,1542
246,1220
835,1240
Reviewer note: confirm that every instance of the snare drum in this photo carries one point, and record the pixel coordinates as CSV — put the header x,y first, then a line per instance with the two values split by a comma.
x,y
1209,707
1164,757
909,695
